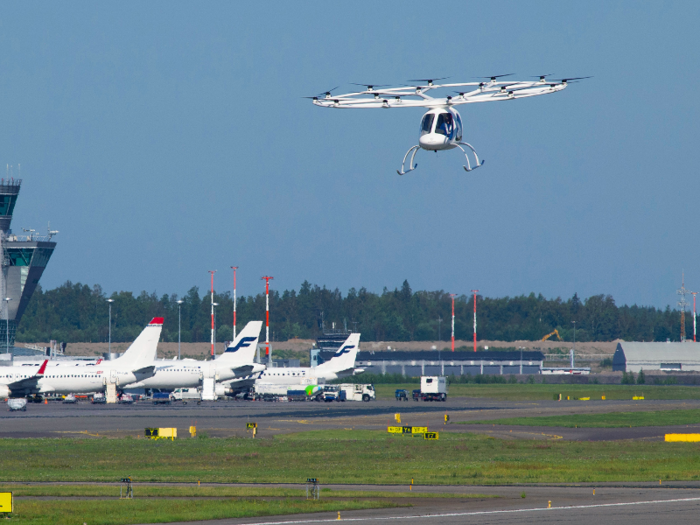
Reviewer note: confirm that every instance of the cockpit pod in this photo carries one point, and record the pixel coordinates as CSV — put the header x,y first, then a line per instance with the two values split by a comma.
x,y
440,129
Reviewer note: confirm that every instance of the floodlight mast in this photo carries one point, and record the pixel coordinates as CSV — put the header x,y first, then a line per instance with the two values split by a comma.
x,y
212,272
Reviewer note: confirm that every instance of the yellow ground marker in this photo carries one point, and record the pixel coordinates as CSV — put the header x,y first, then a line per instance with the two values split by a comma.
x,y
688,438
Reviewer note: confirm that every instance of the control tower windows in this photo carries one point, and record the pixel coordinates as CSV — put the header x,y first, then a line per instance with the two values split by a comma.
x,y
7,204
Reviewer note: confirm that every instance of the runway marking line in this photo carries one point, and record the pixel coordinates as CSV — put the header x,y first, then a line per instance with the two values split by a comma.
x,y
481,513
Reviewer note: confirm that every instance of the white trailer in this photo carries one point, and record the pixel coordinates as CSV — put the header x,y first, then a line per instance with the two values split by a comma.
x,y
17,404
433,388
357,392
187,394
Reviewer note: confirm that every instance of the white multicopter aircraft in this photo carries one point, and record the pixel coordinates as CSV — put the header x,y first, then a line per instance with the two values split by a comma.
x,y
235,362
441,126
340,365
134,365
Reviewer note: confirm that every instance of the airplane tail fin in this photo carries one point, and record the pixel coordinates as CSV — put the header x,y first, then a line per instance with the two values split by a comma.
x,y
344,358
242,350
142,351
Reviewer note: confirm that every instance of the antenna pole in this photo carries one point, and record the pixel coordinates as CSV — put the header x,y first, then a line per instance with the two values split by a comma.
x,y
267,318
234,268
212,272
475,292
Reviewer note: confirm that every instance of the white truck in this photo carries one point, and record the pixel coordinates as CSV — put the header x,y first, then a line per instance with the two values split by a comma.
x,y
187,394
358,392
433,388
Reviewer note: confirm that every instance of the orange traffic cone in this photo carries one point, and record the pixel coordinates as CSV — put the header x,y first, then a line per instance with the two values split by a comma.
x,y
46,401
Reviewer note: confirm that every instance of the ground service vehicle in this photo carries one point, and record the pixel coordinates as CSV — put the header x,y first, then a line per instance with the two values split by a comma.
x,y
358,392
415,394
186,394
17,404
70,399
161,398
333,393
99,399
401,394
433,388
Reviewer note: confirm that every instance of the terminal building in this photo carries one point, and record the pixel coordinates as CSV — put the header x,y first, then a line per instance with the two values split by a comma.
x,y
664,357
420,363
24,258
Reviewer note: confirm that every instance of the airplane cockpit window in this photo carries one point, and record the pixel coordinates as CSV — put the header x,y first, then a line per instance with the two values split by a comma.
x,y
445,125
426,125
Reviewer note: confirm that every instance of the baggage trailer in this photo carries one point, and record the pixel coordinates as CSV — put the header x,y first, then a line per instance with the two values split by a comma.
x,y
433,388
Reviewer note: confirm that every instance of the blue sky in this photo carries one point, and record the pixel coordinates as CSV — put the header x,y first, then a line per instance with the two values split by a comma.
x,y
165,139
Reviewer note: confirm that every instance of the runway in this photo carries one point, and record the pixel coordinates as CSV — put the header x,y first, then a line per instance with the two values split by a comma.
x,y
229,418
571,505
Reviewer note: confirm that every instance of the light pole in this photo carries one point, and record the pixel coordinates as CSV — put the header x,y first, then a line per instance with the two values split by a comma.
x,y
7,324
234,268
110,301
453,295
573,352
475,292
439,328
695,324
179,326
267,280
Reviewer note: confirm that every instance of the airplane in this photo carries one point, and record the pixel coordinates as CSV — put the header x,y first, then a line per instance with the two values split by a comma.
x,y
340,365
235,362
134,365
441,127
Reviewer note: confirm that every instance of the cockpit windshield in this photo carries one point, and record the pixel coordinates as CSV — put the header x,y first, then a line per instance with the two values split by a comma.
x,y
427,125
445,125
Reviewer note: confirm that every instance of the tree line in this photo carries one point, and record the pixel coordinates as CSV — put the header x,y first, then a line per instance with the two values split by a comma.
x,y
75,312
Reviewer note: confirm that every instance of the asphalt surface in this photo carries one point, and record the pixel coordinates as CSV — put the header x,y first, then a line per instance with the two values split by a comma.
x,y
229,418
571,505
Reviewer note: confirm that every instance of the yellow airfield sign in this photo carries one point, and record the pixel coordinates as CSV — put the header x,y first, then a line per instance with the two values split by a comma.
x,y
407,430
431,435
6,502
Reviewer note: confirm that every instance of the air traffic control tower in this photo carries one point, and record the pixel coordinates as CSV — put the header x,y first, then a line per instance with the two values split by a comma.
x,y
24,258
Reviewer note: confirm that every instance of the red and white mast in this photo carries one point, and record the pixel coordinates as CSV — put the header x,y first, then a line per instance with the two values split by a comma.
x,y
267,317
453,295
212,272
475,292
234,268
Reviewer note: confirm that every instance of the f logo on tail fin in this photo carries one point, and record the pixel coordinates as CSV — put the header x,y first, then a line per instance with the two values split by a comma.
x,y
344,350
245,342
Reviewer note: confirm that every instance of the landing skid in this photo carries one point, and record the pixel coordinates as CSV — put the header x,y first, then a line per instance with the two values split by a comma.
x,y
411,166
468,167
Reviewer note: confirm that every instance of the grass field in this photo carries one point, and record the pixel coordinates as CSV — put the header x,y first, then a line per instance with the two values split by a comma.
x,y
116,512
534,392
373,457
194,491
610,420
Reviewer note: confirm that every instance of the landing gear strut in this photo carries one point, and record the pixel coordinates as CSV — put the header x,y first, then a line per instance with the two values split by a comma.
x,y
411,166
477,164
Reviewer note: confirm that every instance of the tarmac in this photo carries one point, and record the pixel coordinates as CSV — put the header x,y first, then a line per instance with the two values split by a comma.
x,y
229,418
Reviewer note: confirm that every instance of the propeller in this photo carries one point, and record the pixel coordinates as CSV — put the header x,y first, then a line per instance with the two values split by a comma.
x,y
326,94
370,87
494,77
541,77
428,80
565,80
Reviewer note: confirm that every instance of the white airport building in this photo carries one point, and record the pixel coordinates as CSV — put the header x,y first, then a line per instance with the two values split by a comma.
x,y
665,357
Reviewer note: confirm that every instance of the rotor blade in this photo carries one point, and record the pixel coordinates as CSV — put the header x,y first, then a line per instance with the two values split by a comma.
x,y
426,79
370,86
494,77
574,78
541,77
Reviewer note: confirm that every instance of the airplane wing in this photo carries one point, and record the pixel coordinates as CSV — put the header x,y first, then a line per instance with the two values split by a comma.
x,y
242,371
29,383
145,372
